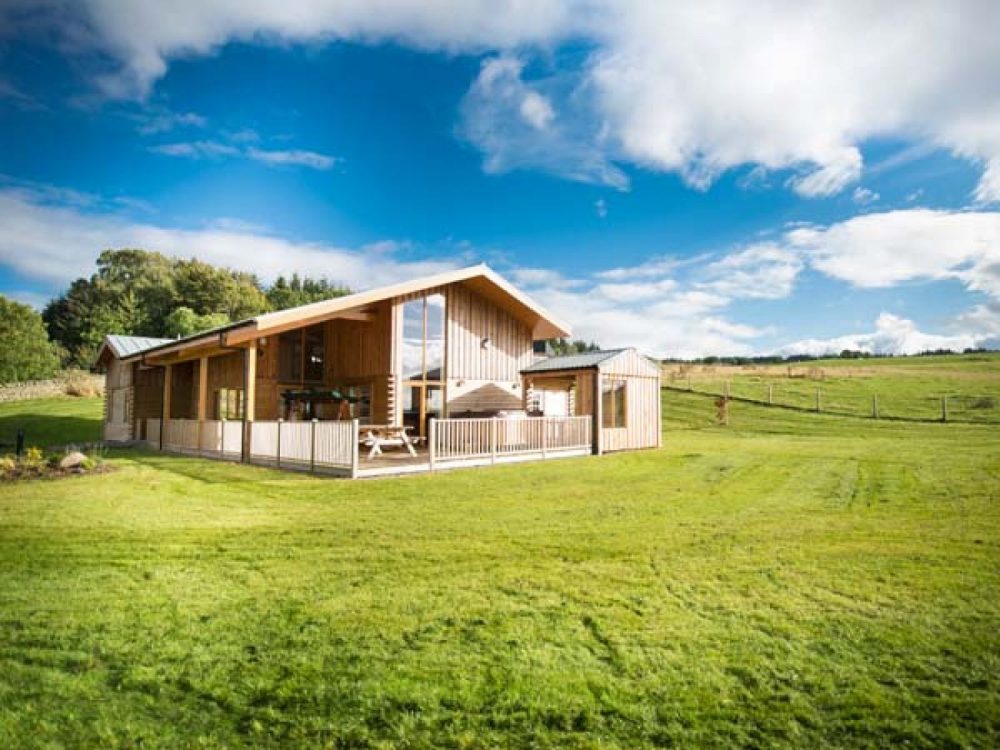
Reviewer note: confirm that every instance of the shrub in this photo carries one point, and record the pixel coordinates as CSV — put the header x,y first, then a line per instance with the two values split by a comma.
x,y
80,383
983,402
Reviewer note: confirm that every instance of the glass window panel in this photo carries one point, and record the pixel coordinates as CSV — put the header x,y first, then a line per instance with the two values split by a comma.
x,y
434,337
315,353
413,338
613,403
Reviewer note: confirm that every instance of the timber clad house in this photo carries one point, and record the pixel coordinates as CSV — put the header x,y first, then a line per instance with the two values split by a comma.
x,y
440,370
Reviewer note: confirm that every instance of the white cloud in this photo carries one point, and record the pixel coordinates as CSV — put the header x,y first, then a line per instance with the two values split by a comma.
x,y
55,243
196,149
692,88
864,196
892,335
536,110
884,249
218,150
514,126
762,271
163,120
601,208
296,157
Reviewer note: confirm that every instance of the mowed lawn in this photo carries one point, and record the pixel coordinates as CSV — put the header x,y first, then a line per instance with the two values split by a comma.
x,y
792,580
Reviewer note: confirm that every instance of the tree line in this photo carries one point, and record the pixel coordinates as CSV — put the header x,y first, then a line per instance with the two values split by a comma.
x,y
140,293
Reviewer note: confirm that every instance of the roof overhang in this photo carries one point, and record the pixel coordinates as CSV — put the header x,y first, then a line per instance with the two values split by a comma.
x,y
481,279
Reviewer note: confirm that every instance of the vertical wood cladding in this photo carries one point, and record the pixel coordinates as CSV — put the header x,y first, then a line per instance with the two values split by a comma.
x,y
470,320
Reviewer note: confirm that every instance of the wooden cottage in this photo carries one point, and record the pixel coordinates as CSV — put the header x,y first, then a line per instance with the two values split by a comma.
x,y
435,369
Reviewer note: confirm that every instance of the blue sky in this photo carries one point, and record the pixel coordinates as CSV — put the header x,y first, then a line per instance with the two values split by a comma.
x,y
720,183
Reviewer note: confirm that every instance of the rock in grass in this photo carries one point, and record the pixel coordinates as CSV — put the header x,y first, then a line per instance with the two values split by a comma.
x,y
72,460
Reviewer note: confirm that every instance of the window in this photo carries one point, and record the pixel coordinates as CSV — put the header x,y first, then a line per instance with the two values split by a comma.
x,y
301,355
229,403
613,408
423,338
423,360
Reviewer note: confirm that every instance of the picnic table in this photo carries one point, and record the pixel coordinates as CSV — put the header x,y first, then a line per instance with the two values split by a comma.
x,y
379,436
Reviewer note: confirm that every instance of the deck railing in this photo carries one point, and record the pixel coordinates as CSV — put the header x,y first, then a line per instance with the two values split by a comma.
x,y
333,445
495,439
313,445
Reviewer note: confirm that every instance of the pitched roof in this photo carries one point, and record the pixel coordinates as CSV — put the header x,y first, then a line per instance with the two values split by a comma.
x,y
582,361
124,346
480,278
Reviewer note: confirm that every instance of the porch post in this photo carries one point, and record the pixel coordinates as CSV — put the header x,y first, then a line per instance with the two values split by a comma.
x,y
202,396
164,423
249,395
354,446
431,440
598,415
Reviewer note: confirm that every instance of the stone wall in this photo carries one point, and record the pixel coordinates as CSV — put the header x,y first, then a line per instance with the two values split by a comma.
x,y
71,382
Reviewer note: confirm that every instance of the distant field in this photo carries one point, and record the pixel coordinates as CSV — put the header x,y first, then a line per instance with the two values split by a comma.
x,y
793,580
905,387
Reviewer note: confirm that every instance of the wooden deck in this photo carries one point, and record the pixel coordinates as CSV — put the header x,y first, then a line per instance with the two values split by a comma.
x,y
335,448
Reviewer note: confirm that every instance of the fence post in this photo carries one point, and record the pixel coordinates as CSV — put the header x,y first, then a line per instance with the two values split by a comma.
x,y
727,390
278,448
874,406
819,404
545,436
493,440
222,437
198,449
770,394
431,440
944,408
354,446
312,447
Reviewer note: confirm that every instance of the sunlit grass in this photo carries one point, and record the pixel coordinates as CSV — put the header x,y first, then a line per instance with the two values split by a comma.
x,y
794,579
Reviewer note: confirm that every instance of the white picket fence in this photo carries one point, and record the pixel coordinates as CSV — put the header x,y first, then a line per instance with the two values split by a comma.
x,y
498,439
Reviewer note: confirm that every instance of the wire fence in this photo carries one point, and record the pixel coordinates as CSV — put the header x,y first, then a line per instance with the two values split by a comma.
x,y
840,399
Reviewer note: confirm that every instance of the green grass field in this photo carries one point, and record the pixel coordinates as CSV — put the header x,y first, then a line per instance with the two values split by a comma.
x,y
906,388
793,580
50,421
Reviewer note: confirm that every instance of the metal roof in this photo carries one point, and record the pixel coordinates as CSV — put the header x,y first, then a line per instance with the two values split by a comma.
x,y
126,346
583,361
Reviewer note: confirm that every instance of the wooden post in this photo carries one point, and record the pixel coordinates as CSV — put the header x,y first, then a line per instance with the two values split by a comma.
x,y
354,447
545,436
493,440
874,406
222,436
944,408
727,390
431,440
819,404
598,414
278,450
770,394
249,396
312,447
167,383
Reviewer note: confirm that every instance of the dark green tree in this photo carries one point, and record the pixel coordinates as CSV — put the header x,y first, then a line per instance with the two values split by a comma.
x,y
184,321
27,353
285,293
